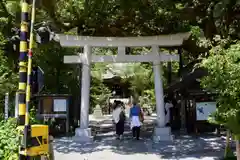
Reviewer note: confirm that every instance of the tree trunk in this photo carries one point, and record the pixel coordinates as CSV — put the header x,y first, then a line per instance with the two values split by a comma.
x,y
227,143
238,149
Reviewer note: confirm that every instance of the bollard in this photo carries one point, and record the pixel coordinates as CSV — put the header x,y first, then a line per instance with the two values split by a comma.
x,y
51,150
50,155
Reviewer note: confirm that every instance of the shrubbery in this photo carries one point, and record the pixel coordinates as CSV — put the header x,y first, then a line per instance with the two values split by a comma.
x,y
9,136
9,139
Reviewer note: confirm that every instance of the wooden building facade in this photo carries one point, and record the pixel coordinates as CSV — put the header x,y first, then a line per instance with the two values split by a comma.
x,y
186,93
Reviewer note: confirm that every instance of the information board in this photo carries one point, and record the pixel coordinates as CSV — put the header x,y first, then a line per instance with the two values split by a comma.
x,y
59,105
204,109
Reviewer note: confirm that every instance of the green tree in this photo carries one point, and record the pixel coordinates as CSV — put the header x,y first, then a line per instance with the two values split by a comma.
x,y
223,68
8,79
99,93
59,77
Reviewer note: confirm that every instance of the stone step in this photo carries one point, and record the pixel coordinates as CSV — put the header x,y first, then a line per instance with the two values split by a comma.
x,y
126,135
110,121
106,128
105,124
107,121
110,126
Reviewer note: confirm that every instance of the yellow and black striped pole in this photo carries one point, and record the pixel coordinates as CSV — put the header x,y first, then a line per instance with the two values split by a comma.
x,y
35,137
27,128
28,90
23,63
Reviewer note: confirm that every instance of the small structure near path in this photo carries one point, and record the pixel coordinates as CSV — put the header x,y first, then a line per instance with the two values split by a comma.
x,y
97,113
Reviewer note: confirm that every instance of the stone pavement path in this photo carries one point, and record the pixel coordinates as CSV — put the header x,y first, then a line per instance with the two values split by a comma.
x,y
107,148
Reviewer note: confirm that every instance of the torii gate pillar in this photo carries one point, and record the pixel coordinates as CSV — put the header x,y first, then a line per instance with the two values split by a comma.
x,y
84,133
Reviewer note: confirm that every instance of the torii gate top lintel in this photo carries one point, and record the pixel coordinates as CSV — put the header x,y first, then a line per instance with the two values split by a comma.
x,y
121,43
141,41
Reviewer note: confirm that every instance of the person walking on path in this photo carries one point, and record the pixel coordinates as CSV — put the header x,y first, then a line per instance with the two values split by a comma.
x,y
119,120
167,106
136,118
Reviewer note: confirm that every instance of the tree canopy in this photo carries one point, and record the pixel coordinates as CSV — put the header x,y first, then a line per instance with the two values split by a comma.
x,y
215,34
206,20
223,78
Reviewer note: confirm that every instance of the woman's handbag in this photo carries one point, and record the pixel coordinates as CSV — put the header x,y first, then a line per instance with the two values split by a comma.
x,y
122,116
141,116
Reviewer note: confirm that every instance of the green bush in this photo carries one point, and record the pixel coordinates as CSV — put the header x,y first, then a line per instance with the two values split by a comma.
x,y
32,117
1,116
9,136
9,139
229,155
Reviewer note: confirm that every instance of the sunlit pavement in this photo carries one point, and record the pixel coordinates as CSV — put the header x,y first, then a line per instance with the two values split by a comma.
x,y
182,148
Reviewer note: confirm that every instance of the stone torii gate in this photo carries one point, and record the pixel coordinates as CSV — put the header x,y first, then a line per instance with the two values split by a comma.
x,y
86,58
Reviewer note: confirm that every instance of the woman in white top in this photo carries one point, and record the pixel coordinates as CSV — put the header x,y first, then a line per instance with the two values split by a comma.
x,y
119,120
167,106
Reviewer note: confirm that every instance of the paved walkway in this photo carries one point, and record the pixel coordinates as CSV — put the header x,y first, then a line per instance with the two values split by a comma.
x,y
107,148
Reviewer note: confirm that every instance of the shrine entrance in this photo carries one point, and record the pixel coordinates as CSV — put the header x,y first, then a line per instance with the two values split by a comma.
x,y
83,133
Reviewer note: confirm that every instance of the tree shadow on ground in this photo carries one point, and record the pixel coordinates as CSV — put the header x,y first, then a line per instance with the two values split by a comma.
x,y
182,147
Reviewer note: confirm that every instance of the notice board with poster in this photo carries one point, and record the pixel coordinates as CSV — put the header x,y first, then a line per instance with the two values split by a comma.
x,y
54,107
204,110
59,105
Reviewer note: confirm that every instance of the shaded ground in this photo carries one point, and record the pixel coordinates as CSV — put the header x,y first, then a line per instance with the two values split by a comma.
x,y
106,147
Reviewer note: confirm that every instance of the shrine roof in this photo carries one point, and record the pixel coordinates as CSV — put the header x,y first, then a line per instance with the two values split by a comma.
x,y
122,70
188,80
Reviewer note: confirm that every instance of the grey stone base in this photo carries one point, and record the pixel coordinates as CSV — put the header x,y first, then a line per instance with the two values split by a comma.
x,y
83,135
162,134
